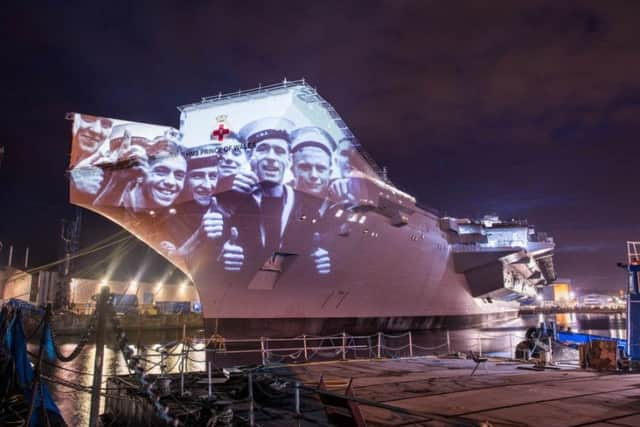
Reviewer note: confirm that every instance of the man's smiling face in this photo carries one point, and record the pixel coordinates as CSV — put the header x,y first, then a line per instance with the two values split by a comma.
x,y
270,160
165,180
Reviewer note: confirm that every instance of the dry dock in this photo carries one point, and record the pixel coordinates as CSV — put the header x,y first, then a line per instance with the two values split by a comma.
x,y
504,394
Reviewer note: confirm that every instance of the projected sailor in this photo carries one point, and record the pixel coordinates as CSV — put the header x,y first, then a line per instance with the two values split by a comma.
x,y
89,133
163,181
146,171
312,149
100,178
234,170
344,169
194,221
233,156
202,177
350,183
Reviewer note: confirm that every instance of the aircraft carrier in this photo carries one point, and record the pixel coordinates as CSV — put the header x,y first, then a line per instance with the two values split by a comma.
x,y
271,205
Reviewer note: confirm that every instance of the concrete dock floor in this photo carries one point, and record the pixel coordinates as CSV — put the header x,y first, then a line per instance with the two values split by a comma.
x,y
442,392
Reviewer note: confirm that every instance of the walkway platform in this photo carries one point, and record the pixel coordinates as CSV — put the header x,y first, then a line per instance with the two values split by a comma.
x,y
442,392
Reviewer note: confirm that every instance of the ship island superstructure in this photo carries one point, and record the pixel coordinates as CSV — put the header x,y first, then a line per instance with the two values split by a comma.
x,y
297,230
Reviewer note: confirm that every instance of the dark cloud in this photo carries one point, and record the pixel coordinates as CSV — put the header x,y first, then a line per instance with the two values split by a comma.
x,y
526,109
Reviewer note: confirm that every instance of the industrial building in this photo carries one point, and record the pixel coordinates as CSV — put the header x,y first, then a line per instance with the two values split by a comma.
x,y
40,289
558,293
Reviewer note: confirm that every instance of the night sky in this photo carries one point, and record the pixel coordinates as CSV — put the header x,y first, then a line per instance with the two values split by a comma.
x,y
523,109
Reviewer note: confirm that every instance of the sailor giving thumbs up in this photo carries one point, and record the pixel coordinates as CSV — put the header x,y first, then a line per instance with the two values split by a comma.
x,y
213,221
320,256
232,255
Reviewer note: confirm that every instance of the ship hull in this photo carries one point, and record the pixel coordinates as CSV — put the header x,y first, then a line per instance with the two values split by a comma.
x,y
292,327
402,278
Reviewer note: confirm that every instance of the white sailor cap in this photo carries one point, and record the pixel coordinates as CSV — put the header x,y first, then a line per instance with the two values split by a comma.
x,y
312,136
267,128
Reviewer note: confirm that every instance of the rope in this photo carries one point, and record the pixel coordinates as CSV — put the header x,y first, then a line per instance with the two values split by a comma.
x,y
133,363
81,343
386,347
430,348
91,249
396,336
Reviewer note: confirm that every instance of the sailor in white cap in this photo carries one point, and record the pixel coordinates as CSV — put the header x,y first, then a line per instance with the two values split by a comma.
x,y
269,139
199,220
164,178
233,156
269,197
349,167
312,150
202,175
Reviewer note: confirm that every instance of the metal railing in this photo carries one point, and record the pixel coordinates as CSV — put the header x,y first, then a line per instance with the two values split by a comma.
x,y
309,348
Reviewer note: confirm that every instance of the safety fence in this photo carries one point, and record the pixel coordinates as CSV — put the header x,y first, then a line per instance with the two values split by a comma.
x,y
190,353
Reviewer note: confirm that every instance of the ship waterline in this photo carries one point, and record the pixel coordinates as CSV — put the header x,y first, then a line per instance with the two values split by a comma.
x,y
286,226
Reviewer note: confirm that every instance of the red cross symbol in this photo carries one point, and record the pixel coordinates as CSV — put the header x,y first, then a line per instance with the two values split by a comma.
x,y
220,132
